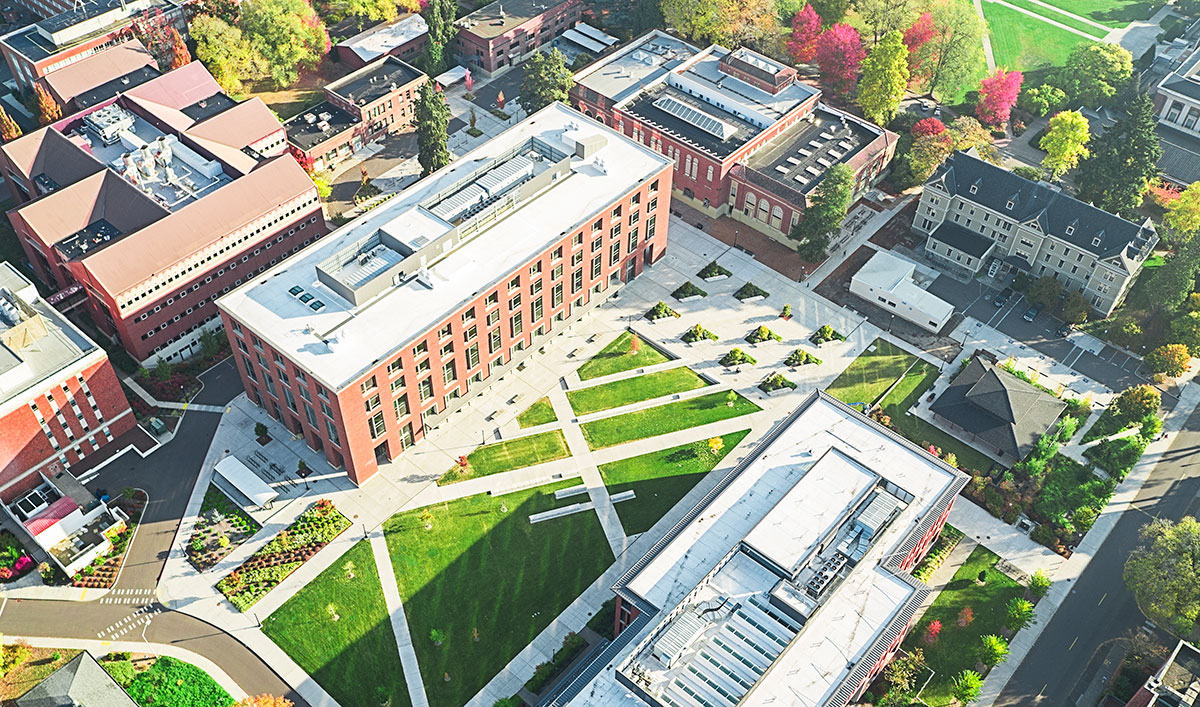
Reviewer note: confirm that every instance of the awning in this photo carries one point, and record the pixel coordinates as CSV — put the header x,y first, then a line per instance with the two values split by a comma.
x,y
451,77
584,41
587,30
246,481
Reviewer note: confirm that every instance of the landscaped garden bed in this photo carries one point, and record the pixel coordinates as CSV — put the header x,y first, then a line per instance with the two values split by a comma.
x,y
688,292
540,413
153,681
607,396
827,333
105,569
660,479
761,334
178,382
696,334
672,417
337,629
800,357
937,554
625,353
265,569
510,454
713,271
776,382
661,311
15,561
573,644
487,543
221,527
751,292
737,357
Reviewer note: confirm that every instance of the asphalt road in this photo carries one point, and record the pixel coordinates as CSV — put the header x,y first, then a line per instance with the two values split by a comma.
x,y
168,476
1099,609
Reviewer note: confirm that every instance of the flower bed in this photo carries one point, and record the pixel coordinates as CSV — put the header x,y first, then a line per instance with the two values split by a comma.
x,y
661,311
941,549
697,333
170,382
737,357
751,291
800,357
762,334
688,290
713,271
15,562
103,571
825,334
295,545
544,673
776,382
221,527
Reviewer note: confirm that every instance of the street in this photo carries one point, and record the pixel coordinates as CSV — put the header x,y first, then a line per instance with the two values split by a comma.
x,y
1063,660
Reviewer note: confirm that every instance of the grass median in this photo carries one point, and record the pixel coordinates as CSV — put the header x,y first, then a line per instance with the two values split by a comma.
x,y
607,396
664,419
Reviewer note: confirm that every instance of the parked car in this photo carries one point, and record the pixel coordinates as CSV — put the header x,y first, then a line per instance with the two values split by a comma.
x,y
1064,330
1032,312
1004,296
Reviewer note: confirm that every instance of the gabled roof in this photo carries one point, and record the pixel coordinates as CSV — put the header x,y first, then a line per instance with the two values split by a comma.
x,y
998,408
104,195
80,682
1094,230
49,152
98,69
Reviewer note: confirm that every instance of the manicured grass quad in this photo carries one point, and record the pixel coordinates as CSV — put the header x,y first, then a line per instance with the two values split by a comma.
x,y
672,417
540,413
1114,13
634,390
617,357
870,375
957,647
482,566
660,479
353,658
1024,43
1063,18
510,454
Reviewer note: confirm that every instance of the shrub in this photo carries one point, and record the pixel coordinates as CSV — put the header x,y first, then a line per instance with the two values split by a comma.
x,y
786,312
661,311
1078,407
1136,402
762,334
993,650
686,290
697,333
1045,535
1019,613
1031,173
826,333
966,616
749,290
800,357
775,382
1039,584
737,357
260,429
713,269
121,671
967,686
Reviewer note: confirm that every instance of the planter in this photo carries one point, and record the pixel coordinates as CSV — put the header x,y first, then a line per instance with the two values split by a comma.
x,y
716,278
693,298
788,318
264,440
755,298
778,392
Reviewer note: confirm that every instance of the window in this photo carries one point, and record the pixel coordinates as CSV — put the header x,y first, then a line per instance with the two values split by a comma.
x,y
596,244
615,231
514,302
1070,230
633,239
514,283
421,349
514,324
449,372
493,317
576,259
650,226
614,253
1174,111
556,272
398,384
537,309
558,253
472,355
596,264
423,367
535,287
535,268
556,295
401,407
597,226
372,402
376,425
577,240
1190,121
444,332
426,389
394,367
492,299
576,281
494,341
616,212
368,385
447,349
470,333
331,432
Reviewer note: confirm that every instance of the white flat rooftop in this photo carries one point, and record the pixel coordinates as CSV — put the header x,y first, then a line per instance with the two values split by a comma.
x,y
885,271
817,470
377,41
341,341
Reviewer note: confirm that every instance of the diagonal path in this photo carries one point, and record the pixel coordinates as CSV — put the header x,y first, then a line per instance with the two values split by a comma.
x,y
1043,18
987,40
391,595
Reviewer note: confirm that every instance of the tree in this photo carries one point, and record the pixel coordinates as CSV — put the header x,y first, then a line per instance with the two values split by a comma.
x,y
997,95
806,27
1039,584
9,130
1044,291
375,10
956,46
920,51
1171,360
225,52
903,671
1094,71
1137,402
547,79
288,34
751,23
1074,309
48,108
993,650
153,30
883,16
1123,161
884,78
1020,614
1186,331
1065,142
1163,573
831,11
1167,286
180,56
839,55
698,19
926,127
321,181
229,11
432,117
1183,214
1042,99
265,701
830,202
967,686
439,16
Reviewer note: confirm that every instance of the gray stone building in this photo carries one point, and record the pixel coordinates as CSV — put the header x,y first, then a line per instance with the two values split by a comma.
x,y
979,215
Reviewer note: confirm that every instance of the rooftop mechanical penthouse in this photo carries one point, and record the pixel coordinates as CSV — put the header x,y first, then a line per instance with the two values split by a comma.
x,y
366,340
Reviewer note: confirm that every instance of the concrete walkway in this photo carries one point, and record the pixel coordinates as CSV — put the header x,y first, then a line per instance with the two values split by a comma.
x,y
1047,20
1139,36
391,595
988,56
155,402
1001,538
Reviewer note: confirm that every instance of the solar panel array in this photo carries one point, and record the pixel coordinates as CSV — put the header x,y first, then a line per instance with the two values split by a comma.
x,y
695,117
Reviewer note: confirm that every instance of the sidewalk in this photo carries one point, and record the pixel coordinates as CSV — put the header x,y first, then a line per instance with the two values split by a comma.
x,y
391,596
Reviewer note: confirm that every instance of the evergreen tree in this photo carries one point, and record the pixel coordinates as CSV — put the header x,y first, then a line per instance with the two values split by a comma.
x,y
440,16
9,130
830,202
547,79
884,78
1123,161
432,117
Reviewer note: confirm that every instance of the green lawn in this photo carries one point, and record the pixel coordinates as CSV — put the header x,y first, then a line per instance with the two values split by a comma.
x,y
660,479
957,647
173,682
617,357
355,656
672,417
1114,13
634,390
1023,43
914,385
540,413
869,376
510,454
484,567
1060,17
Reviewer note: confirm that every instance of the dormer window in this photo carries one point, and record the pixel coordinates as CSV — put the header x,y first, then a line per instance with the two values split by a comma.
x,y
1096,241
1009,205
974,188
1070,230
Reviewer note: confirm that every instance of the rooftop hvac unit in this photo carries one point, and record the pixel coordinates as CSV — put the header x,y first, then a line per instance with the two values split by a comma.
x,y
323,125
310,118
326,117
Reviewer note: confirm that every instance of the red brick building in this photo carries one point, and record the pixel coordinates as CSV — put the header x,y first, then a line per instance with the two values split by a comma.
x,y
62,400
746,137
157,201
405,39
74,31
364,341
100,77
364,106
498,36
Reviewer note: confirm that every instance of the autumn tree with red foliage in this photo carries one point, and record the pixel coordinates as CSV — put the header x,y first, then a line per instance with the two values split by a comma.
x,y
806,28
48,108
180,56
154,32
926,127
932,631
997,95
839,53
920,52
